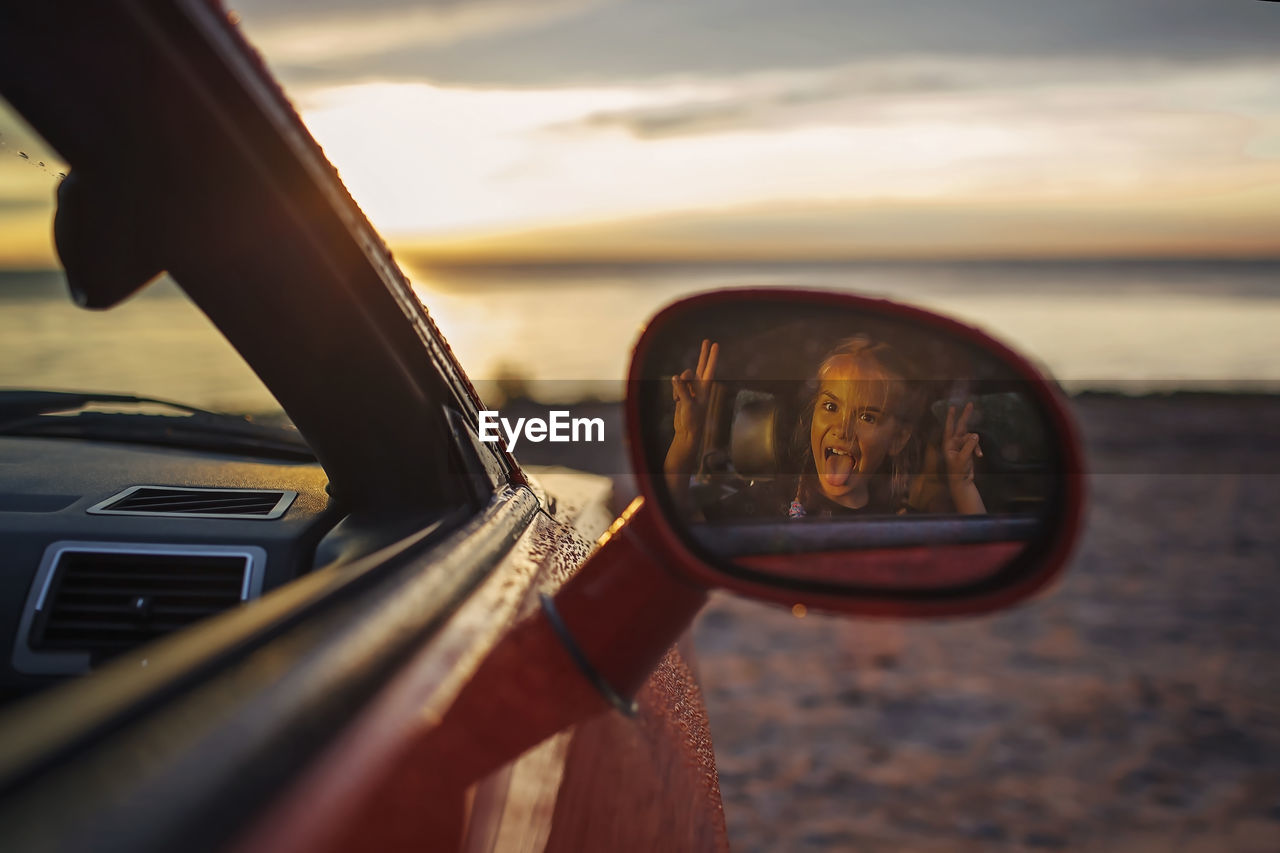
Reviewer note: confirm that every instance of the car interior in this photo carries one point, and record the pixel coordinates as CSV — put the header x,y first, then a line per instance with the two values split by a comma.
x,y
752,448
115,541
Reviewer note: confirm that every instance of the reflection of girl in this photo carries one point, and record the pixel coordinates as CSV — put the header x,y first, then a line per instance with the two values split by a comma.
x,y
854,441
858,453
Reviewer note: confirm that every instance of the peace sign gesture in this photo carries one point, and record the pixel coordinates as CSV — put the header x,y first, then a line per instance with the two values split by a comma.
x,y
959,448
691,390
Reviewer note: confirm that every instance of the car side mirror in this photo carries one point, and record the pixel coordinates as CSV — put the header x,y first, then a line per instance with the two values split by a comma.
x,y
850,454
819,451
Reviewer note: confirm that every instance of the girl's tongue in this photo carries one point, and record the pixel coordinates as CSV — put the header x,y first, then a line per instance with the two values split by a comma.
x,y
836,468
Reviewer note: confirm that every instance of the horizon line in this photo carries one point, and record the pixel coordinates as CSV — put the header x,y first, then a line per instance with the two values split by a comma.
x,y
481,260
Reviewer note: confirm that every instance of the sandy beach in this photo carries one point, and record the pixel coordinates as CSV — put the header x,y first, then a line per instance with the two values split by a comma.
x,y
1135,706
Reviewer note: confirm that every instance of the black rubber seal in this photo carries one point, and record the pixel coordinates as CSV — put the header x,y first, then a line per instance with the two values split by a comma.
x,y
629,708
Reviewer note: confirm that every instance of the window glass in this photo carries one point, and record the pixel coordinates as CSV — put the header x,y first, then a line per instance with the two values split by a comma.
x,y
156,344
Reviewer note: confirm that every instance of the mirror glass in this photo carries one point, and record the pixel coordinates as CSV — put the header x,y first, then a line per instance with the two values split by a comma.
x,y
835,442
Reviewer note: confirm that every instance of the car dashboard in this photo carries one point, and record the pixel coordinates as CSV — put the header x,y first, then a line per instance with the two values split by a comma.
x,y
108,546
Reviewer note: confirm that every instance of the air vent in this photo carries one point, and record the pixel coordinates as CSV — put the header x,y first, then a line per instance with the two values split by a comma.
x,y
94,600
109,603
177,502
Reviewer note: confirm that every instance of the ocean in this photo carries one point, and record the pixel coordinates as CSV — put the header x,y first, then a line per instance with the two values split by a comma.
x,y
565,332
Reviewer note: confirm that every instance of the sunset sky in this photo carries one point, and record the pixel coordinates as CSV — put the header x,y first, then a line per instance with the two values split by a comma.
x,y
752,128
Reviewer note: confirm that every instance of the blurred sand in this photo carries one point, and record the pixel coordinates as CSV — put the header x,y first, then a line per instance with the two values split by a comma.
x,y
1134,707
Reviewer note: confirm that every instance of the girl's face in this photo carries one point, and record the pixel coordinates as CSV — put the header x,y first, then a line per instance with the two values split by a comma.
x,y
854,427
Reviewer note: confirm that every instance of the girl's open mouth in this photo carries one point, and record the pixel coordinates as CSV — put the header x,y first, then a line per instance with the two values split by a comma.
x,y
837,465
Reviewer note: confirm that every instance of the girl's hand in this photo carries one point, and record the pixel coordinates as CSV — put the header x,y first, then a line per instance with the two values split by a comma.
x,y
691,389
959,449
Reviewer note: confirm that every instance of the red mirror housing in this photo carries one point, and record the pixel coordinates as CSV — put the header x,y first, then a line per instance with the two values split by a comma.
x,y
921,565
649,577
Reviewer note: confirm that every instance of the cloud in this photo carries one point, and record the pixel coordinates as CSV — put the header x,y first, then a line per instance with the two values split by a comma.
x,y
627,41
1218,226
1016,89
712,103
677,120
342,35
778,99
428,160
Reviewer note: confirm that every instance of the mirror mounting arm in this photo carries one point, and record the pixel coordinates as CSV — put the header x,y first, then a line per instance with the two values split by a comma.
x,y
626,607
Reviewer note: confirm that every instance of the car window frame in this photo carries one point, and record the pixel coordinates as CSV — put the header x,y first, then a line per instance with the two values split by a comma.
x,y
436,509
214,173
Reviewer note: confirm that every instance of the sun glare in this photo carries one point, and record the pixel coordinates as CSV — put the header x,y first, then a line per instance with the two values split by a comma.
x,y
1010,156
430,162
